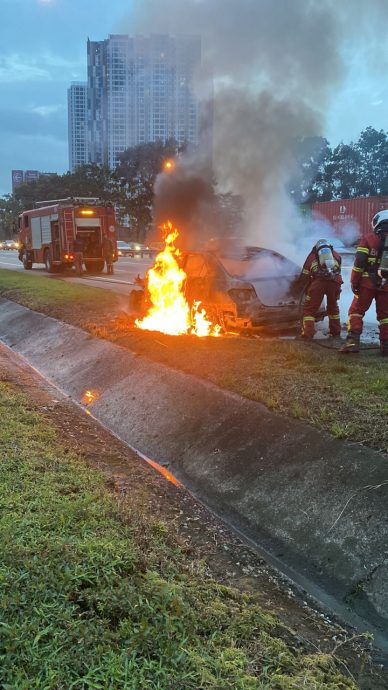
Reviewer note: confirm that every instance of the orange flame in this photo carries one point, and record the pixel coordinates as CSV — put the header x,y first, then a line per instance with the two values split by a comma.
x,y
170,312
89,397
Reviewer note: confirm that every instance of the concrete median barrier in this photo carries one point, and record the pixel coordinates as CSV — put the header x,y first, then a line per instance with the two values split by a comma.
x,y
318,506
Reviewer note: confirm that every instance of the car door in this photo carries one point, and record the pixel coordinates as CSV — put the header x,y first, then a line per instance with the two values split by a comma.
x,y
198,278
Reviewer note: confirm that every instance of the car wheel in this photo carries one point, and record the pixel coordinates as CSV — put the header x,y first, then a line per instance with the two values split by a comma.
x,y
136,301
214,315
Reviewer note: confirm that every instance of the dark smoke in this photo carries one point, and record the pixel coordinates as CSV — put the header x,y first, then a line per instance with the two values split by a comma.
x,y
275,66
187,198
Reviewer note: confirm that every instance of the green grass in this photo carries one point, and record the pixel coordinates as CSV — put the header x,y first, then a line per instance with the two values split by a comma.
x,y
97,594
39,291
307,382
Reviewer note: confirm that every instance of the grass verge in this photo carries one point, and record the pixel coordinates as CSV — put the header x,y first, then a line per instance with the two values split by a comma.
x,y
97,594
346,396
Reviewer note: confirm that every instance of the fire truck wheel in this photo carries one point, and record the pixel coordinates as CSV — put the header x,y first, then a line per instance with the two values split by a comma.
x,y
94,267
214,315
48,262
27,263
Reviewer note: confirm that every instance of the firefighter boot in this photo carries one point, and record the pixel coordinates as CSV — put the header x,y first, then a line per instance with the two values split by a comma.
x,y
351,344
384,348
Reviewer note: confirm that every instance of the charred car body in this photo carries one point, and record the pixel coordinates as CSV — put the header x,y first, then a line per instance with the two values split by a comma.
x,y
252,289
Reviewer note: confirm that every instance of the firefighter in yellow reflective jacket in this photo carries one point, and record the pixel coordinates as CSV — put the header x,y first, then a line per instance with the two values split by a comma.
x,y
369,281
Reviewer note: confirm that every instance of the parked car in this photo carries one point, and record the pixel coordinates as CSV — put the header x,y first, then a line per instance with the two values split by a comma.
x,y
155,247
131,249
10,244
123,248
251,289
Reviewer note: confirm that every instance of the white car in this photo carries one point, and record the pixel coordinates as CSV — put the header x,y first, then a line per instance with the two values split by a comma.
x,y
131,249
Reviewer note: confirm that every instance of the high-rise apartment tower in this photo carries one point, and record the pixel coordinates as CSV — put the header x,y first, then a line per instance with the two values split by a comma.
x,y
141,89
77,103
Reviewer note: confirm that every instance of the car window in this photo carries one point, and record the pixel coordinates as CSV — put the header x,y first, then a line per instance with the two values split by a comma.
x,y
195,266
264,264
272,275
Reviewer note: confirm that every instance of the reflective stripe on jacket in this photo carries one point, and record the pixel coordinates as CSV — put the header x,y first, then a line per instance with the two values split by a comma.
x,y
364,267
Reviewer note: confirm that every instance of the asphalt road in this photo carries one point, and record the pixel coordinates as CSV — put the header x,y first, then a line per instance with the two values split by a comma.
x,y
125,271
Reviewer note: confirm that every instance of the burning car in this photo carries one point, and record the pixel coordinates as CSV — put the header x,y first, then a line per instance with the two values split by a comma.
x,y
240,289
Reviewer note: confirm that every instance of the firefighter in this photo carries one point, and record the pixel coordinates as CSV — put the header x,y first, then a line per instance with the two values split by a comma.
x,y
22,249
322,273
108,254
369,281
78,249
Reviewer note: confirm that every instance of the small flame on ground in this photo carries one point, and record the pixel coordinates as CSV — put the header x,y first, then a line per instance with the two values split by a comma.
x,y
170,312
89,397
165,472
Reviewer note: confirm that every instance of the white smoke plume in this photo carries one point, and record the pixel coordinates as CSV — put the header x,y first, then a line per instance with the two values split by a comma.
x,y
275,65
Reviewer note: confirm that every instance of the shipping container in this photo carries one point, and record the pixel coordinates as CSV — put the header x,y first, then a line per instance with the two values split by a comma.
x,y
350,218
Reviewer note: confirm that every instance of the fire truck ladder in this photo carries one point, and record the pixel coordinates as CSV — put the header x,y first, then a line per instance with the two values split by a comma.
x,y
74,200
69,224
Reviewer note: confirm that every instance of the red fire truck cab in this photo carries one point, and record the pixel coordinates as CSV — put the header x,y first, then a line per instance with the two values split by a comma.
x,y
47,233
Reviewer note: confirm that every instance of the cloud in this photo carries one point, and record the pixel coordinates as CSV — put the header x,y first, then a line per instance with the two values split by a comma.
x,y
44,121
46,67
14,68
46,110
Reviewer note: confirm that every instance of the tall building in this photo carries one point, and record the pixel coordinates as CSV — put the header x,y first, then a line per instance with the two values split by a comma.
x,y
140,89
77,103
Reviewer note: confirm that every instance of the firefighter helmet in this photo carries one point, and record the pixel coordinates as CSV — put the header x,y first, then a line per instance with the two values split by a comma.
x,y
320,244
378,219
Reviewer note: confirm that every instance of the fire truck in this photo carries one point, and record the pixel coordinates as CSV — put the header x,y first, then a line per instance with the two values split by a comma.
x,y
47,233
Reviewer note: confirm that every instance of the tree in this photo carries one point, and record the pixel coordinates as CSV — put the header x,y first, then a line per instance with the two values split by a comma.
x,y
308,183
136,174
372,147
356,169
87,181
9,211
342,171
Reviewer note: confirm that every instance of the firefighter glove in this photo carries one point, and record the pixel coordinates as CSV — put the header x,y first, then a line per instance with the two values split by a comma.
x,y
355,289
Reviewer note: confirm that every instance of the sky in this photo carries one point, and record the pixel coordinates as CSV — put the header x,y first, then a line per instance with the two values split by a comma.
x,y
43,49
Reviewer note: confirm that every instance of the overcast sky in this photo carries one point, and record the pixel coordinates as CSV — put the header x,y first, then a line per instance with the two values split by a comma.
x,y
43,49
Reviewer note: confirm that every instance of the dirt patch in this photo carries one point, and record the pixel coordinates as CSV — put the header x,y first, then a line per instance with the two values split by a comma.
x,y
203,537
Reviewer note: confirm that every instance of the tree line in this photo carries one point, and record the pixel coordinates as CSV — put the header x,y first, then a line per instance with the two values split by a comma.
x,y
129,187
320,173
343,172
